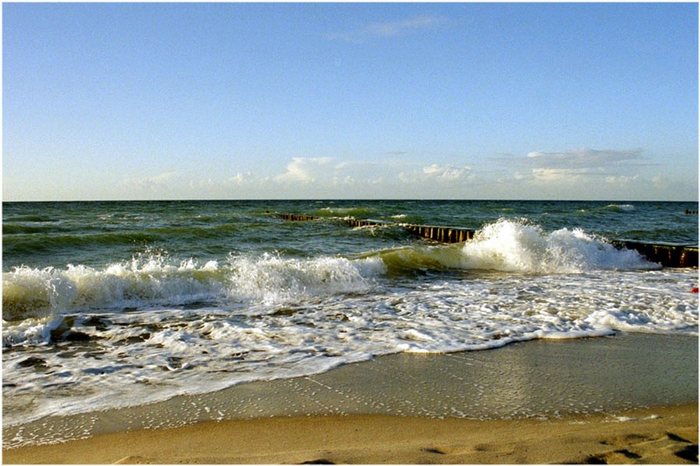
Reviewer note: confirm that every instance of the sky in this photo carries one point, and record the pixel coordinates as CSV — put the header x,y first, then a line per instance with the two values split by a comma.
x,y
318,101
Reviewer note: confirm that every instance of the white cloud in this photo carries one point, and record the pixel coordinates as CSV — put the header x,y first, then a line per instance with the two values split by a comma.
x,y
241,178
446,172
322,176
583,158
581,166
388,29
436,173
344,180
620,179
303,169
152,183
561,175
660,182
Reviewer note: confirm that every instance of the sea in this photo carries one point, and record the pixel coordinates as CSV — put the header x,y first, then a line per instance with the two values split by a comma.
x,y
114,304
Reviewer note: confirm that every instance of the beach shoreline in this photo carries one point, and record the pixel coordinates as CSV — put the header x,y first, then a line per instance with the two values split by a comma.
x,y
623,398
660,435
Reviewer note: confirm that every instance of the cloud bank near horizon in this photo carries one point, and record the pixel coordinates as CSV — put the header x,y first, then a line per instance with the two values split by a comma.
x,y
571,174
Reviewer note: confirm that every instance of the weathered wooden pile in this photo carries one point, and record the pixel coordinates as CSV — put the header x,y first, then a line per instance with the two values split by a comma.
x,y
668,255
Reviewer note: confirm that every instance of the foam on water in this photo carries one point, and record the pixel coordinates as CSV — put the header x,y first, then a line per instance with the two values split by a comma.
x,y
153,353
32,292
272,279
620,207
517,246
355,211
153,280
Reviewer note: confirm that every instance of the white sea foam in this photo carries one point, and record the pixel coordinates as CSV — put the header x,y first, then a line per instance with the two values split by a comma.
x,y
154,281
154,353
514,246
273,279
620,207
31,292
521,247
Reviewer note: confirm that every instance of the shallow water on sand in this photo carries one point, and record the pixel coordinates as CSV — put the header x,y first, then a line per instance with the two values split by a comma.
x,y
536,379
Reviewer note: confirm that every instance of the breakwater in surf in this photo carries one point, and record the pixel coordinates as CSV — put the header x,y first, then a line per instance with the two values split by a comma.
x,y
668,255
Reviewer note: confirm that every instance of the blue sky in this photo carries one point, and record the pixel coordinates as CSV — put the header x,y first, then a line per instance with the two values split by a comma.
x,y
247,101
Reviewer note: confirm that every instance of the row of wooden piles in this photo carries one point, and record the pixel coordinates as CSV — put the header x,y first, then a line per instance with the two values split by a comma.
x,y
668,255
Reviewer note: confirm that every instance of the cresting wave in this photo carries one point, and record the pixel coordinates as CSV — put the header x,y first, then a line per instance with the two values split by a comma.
x,y
620,207
344,211
518,246
155,280
521,247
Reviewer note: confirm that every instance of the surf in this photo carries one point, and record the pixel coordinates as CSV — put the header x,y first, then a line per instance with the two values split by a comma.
x,y
518,246
522,246
159,280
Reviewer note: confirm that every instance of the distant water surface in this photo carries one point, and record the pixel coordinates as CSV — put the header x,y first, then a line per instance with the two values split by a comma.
x,y
110,304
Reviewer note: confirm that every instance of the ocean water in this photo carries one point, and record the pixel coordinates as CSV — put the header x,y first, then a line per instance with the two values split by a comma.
x,y
109,304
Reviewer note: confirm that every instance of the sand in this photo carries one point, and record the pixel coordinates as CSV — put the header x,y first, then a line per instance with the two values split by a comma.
x,y
653,435
623,399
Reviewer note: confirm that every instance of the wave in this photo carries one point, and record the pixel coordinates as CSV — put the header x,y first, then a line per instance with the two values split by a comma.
x,y
32,239
273,279
33,243
412,259
30,218
154,280
518,246
12,229
620,207
387,231
344,211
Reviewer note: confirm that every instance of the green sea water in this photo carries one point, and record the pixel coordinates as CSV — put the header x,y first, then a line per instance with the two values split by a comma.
x,y
98,233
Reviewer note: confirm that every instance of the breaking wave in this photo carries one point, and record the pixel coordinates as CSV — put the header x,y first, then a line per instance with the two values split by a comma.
x,y
518,246
344,211
620,207
154,280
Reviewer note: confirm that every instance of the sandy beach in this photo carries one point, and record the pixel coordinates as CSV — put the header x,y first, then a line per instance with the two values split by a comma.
x,y
625,399
656,435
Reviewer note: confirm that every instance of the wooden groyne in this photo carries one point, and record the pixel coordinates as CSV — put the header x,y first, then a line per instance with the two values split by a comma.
x,y
441,234
668,255
297,217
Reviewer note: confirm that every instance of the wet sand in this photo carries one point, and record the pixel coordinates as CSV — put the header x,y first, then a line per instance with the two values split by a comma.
x,y
628,398
658,435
